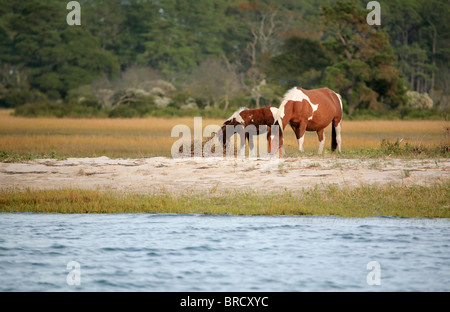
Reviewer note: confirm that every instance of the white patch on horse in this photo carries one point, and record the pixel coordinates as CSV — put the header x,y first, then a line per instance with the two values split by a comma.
x,y
300,143
321,145
295,95
338,136
237,115
274,112
287,96
239,119
340,99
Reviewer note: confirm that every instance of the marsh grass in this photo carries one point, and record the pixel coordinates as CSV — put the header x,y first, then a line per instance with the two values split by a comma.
x,y
147,137
363,201
23,139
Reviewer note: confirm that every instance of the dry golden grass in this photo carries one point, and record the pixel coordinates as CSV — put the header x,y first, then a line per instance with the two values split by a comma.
x,y
146,137
90,137
369,134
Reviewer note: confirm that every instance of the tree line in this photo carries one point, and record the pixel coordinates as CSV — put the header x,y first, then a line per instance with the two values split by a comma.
x,y
172,57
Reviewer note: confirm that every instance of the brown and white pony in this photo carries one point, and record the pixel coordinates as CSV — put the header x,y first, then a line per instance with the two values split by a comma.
x,y
311,110
244,117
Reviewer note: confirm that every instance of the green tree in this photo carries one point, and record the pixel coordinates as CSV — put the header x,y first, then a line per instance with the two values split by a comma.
x,y
405,24
420,35
181,34
57,56
120,26
301,62
363,70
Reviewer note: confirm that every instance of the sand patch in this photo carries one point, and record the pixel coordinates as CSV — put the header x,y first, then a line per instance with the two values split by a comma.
x,y
215,175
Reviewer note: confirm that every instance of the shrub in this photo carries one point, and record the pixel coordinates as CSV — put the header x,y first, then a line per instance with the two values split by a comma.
x,y
418,100
135,106
59,109
41,109
123,111
16,97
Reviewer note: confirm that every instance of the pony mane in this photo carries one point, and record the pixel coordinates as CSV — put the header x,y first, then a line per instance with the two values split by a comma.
x,y
236,113
289,95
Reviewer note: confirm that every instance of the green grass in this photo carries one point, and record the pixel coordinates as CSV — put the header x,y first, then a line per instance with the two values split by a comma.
x,y
363,201
10,156
395,148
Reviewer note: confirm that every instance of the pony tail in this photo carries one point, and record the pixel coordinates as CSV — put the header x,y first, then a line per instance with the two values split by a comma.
x,y
333,137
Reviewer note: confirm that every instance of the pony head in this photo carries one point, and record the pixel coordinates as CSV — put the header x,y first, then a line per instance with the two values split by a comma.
x,y
234,120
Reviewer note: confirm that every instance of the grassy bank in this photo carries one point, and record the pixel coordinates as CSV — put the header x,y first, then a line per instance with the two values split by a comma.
x,y
362,201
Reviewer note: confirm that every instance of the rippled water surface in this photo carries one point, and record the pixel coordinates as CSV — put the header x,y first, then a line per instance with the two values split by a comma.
x,y
165,252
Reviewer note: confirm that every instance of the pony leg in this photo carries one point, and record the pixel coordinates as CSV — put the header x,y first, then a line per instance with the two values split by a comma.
x,y
300,134
268,140
227,146
275,140
321,136
300,143
338,137
251,146
242,143
281,145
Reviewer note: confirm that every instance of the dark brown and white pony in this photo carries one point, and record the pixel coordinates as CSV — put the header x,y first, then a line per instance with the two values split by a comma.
x,y
311,110
244,117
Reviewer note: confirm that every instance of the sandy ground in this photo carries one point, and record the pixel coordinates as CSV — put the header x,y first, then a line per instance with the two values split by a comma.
x,y
216,175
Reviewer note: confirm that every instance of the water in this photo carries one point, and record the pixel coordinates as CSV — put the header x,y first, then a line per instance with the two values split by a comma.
x,y
166,252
